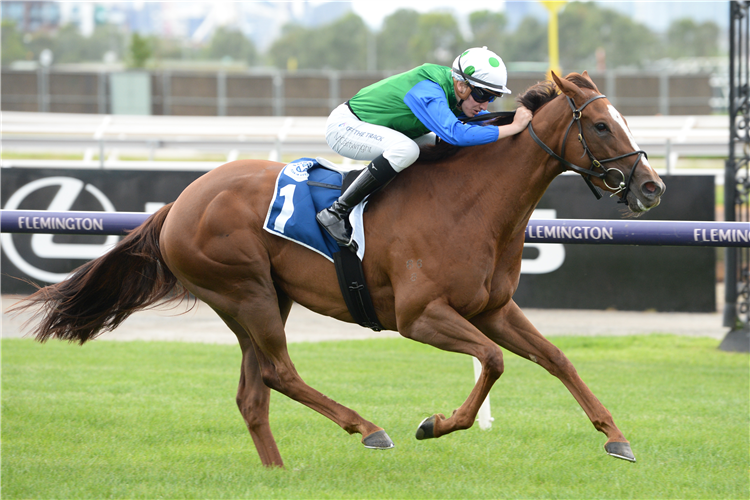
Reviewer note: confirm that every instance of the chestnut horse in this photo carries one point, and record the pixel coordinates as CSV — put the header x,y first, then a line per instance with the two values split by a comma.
x,y
462,215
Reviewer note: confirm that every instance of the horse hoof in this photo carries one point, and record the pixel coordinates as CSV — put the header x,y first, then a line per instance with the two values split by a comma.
x,y
426,429
378,441
620,450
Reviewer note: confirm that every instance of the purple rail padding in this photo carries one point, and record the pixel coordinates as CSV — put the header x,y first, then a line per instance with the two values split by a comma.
x,y
569,231
646,232
38,221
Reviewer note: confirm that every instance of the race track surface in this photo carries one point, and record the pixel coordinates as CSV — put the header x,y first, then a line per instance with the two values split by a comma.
x,y
202,325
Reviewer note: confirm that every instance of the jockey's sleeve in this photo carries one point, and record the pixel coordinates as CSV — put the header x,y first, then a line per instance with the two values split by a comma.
x,y
428,103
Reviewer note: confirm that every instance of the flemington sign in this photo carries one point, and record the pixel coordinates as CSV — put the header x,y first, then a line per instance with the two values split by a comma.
x,y
57,224
31,221
654,233
61,198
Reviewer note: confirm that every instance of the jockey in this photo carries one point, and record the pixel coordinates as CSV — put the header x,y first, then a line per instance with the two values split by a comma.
x,y
387,122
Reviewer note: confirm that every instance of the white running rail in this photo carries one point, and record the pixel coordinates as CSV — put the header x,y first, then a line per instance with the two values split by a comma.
x,y
660,136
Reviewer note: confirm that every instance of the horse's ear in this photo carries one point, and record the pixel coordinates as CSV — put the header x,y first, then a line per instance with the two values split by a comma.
x,y
556,79
566,87
587,77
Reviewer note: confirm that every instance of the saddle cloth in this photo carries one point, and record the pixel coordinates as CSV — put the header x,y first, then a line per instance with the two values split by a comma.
x,y
303,188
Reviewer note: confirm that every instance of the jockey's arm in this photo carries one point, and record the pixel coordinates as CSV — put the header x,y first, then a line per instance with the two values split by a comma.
x,y
428,103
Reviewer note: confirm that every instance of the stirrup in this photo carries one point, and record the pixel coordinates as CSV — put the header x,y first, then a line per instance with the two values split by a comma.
x,y
335,225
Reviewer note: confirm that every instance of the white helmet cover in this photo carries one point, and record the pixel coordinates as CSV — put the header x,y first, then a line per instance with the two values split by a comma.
x,y
482,68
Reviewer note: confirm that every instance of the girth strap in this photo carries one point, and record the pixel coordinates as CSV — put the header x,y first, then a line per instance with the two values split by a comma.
x,y
352,283
354,289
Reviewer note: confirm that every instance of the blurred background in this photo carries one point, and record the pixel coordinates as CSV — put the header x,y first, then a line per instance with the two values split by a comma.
x,y
302,58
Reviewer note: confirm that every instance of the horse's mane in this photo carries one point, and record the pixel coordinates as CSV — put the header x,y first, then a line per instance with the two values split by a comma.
x,y
533,98
543,92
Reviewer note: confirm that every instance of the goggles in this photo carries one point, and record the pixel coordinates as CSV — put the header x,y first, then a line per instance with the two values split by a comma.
x,y
483,95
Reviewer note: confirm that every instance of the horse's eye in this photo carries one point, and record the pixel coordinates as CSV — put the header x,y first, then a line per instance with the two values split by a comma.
x,y
601,127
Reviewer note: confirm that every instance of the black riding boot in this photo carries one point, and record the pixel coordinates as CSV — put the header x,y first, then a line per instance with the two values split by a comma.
x,y
333,219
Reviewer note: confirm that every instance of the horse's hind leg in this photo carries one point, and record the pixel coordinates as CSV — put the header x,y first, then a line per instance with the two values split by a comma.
x,y
260,316
253,396
510,328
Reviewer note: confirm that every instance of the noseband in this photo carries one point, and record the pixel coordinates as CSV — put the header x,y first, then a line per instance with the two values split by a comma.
x,y
622,187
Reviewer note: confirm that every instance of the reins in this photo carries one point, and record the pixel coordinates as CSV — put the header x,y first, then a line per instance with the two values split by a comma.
x,y
622,187
489,116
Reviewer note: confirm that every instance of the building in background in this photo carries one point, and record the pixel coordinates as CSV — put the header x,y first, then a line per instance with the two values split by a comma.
x,y
31,17
262,21
515,12
657,15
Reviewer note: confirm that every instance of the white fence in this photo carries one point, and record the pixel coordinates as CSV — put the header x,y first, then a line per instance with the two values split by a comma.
x,y
101,138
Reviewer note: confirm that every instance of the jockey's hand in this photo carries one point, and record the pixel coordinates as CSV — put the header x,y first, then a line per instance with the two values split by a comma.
x,y
520,122
522,118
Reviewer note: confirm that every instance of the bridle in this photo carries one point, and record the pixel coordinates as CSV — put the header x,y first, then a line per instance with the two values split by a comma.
x,y
622,187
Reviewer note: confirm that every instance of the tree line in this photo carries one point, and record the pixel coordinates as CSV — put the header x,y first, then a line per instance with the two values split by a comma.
x,y
589,34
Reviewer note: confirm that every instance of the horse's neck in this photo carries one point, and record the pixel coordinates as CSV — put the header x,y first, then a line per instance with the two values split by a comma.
x,y
494,187
511,177
541,168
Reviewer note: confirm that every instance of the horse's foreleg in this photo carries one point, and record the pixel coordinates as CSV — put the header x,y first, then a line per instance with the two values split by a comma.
x,y
510,328
441,326
254,397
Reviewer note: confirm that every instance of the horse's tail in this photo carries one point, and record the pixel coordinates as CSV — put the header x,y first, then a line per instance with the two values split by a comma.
x,y
102,293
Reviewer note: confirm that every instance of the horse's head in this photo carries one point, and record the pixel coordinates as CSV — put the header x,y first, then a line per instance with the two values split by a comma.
x,y
618,165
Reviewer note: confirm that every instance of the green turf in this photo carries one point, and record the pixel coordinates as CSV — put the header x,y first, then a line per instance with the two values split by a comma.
x,y
158,420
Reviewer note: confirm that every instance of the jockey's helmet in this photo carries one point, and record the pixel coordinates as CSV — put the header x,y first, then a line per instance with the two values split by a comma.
x,y
484,71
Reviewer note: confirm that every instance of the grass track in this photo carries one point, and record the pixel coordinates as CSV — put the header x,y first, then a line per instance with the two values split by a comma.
x,y
158,420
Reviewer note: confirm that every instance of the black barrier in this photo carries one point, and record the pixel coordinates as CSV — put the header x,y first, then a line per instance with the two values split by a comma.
x,y
44,258
622,277
569,276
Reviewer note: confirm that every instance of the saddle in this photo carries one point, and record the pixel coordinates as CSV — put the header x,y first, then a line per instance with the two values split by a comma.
x,y
303,188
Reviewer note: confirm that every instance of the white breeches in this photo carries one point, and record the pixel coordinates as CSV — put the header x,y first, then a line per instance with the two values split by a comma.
x,y
352,138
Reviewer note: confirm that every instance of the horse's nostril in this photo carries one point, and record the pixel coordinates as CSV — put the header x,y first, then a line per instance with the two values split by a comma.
x,y
651,189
